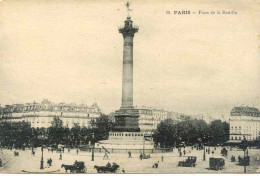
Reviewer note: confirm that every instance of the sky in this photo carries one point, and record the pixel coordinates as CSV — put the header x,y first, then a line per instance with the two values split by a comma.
x,y
71,51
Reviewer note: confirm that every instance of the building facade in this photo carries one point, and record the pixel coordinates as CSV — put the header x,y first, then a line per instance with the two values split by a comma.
x,y
244,122
151,117
41,114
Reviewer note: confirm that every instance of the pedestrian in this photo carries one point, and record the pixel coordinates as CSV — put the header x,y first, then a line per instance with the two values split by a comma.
x,y
61,156
105,156
68,150
77,151
123,170
212,152
129,155
216,148
180,154
162,157
48,163
141,156
52,150
206,150
0,162
184,152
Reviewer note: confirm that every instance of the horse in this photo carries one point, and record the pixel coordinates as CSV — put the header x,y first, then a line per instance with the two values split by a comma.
x,y
68,167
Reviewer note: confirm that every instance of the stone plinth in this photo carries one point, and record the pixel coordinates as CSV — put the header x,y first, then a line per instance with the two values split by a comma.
x,y
127,140
127,120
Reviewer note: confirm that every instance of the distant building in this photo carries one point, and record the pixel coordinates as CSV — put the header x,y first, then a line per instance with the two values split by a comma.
x,y
206,117
244,122
151,117
41,114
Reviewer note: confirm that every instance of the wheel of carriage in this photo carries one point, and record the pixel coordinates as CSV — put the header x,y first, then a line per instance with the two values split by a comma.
x,y
217,168
193,165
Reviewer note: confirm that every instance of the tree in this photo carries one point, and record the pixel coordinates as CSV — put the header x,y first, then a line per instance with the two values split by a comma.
x,y
170,133
101,127
219,132
55,132
165,134
76,133
57,122
15,134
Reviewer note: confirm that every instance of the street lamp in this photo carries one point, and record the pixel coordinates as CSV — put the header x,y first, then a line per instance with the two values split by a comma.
x,y
208,145
42,159
32,141
93,147
244,146
204,153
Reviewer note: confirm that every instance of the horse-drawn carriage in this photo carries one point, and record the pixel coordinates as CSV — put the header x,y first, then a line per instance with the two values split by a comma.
x,y
78,167
216,163
189,162
224,152
108,168
244,161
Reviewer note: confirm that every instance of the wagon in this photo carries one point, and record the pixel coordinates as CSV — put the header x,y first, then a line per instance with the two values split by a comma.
x,y
189,162
216,163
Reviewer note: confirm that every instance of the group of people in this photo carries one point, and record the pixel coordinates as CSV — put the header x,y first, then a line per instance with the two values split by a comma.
x,y
49,162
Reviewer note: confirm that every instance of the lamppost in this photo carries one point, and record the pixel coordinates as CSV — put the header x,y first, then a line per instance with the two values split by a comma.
x,y
93,147
208,145
244,146
42,159
204,153
179,145
32,141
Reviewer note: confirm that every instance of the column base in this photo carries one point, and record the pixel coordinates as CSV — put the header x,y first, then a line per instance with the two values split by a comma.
x,y
126,120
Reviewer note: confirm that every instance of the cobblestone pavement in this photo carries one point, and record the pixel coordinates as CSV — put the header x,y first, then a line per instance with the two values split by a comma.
x,y
26,163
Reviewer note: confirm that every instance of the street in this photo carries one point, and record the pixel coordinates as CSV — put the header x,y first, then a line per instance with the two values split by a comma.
x,y
26,163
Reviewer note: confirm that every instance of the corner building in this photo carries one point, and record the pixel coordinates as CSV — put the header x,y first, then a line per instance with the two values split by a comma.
x,y
244,122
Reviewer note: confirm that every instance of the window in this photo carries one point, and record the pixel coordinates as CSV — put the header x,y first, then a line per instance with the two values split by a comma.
x,y
232,138
239,138
235,138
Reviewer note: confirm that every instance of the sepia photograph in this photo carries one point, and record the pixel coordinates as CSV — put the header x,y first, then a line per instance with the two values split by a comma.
x,y
129,87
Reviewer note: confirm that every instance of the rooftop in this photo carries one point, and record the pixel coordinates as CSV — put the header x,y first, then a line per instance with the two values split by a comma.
x,y
245,111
